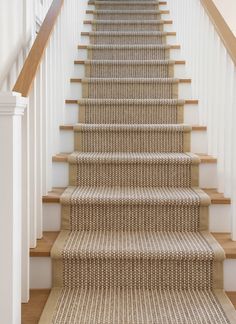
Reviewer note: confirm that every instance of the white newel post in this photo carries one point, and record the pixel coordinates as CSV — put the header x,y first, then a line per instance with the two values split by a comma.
x,y
12,107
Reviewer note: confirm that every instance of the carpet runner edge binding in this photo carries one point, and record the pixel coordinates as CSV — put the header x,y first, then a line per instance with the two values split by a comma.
x,y
134,246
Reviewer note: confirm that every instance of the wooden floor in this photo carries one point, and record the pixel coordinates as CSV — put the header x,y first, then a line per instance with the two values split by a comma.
x,y
31,312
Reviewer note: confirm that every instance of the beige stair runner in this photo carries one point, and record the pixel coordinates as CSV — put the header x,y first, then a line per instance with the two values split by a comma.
x,y
134,246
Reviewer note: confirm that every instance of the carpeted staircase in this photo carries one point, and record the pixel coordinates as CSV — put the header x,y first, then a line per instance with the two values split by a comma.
x,y
134,246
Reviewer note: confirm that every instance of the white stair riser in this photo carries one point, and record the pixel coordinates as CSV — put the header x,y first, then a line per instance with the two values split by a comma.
x,y
217,223
229,275
198,141
179,71
185,91
190,114
175,54
220,218
51,217
41,273
207,175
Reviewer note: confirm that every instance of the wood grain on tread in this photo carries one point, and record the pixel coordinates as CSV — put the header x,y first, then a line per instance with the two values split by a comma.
x,y
31,312
44,245
53,196
228,245
216,197
206,158
61,157
86,46
232,297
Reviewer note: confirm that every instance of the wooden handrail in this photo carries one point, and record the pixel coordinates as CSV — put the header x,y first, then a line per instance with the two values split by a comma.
x,y
34,58
223,30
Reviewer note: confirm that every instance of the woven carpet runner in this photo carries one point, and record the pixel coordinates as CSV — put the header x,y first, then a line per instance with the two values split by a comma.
x,y
134,246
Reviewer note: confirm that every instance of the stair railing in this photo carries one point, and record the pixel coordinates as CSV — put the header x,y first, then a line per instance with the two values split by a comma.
x,y
209,47
30,116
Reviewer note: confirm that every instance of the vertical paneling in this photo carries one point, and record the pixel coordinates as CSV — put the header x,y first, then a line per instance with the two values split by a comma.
x,y
212,68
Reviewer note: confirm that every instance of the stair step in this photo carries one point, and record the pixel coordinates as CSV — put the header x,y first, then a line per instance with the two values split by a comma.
x,y
71,127
38,297
45,244
132,88
129,68
90,22
128,33
91,258
130,52
122,14
216,197
204,158
106,304
128,25
133,169
94,2
77,101
207,171
132,112
129,208
128,38
132,5
123,62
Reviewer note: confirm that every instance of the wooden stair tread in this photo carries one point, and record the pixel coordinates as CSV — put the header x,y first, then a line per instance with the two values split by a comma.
x,y
79,80
187,102
167,33
91,11
53,196
70,127
228,245
44,245
166,22
32,311
160,2
62,157
83,46
216,197
177,62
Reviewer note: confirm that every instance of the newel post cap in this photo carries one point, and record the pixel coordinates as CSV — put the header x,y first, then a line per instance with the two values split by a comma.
x,y
12,103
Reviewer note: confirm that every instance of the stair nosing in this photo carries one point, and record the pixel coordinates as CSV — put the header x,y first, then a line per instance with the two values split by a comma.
x,y
186,102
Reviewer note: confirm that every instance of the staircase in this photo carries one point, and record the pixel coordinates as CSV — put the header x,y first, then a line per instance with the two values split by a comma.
x,y
134,245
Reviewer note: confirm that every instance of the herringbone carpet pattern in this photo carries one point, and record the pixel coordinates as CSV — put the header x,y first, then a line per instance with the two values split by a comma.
x,y
134,246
